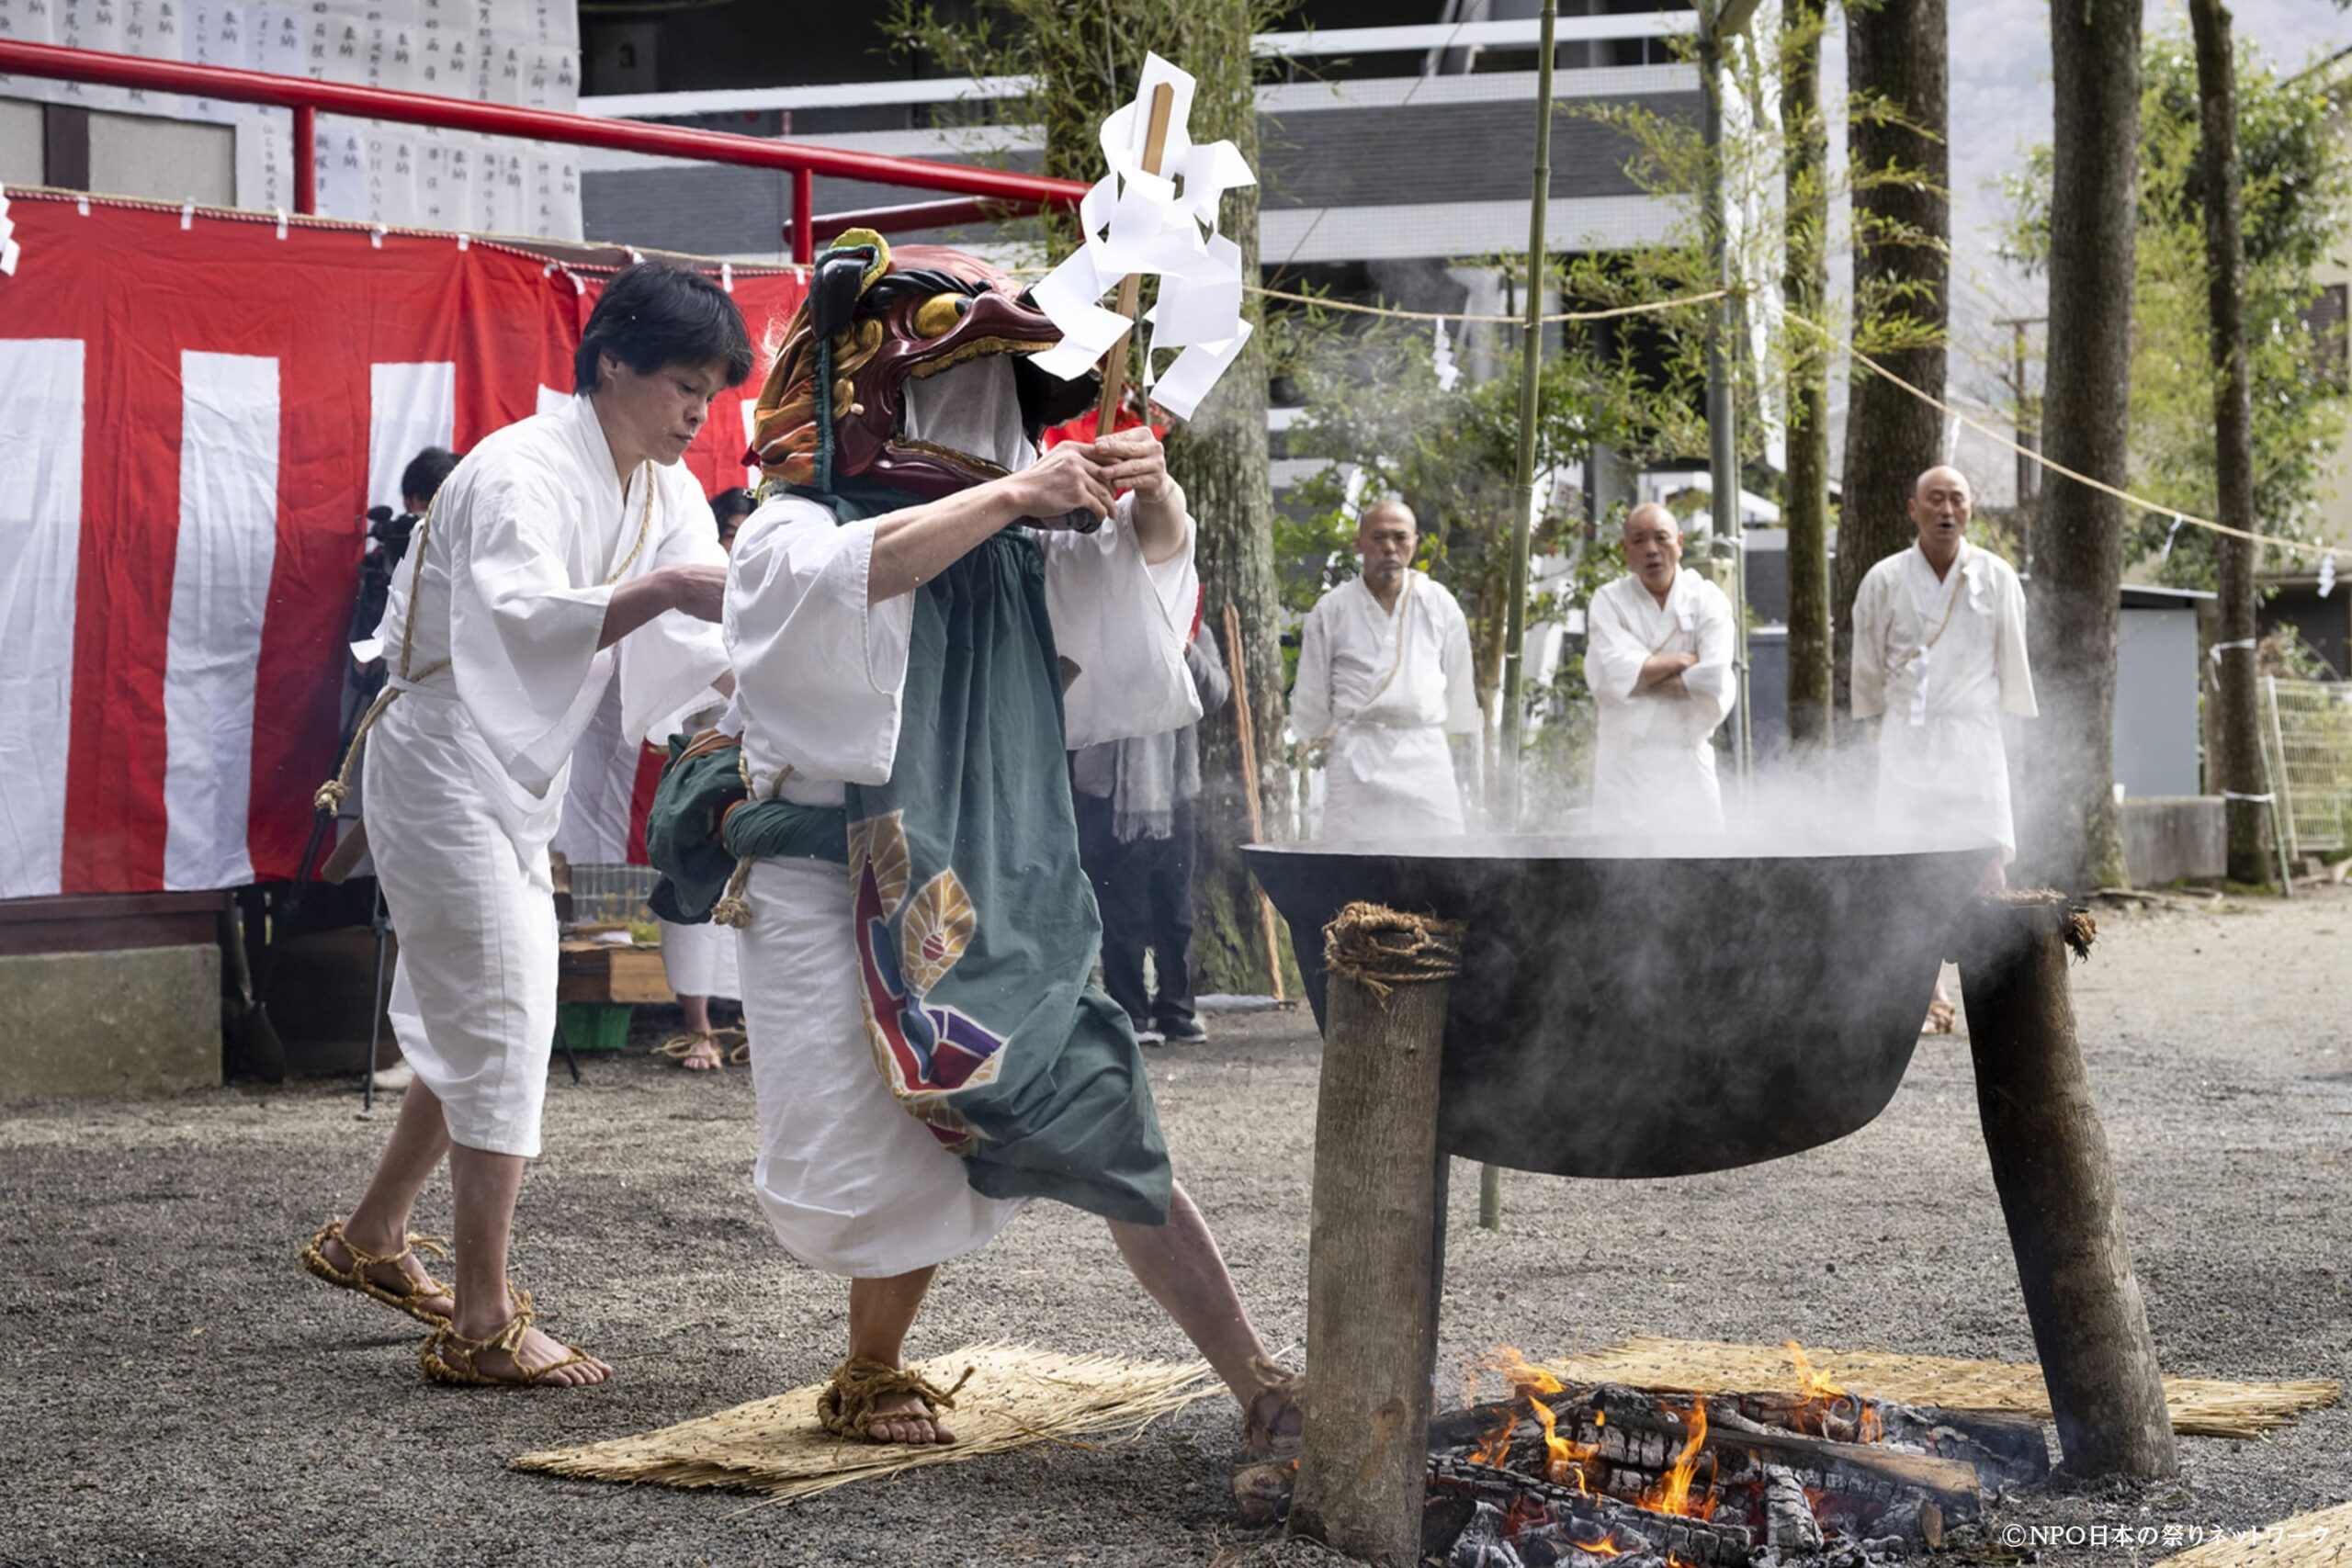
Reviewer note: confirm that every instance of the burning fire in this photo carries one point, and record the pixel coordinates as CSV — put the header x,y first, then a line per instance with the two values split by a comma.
x,y
1672,1493
1817,1394
1563,1458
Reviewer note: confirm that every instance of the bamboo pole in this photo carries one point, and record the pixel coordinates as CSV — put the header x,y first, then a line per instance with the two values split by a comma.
x,y
1115,363
1531,362
1243,718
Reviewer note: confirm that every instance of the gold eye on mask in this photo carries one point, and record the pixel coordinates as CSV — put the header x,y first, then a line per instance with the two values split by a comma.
x,y
937,316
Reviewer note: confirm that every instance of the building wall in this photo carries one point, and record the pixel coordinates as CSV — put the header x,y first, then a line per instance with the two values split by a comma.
x,y
2156,702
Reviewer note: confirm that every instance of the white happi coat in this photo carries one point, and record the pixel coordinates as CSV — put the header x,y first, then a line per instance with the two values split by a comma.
x,y
466,771
1943,660
1654,767
1386,689
852,1184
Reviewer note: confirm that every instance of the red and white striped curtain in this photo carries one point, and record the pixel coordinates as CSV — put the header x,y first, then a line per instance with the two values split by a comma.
x,y
195,411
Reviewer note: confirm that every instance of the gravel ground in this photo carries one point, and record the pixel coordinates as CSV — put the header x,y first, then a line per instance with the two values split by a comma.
x,y
180,1393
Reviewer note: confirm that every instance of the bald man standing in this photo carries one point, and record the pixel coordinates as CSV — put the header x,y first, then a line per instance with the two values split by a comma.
x,y
1384,678
1658,661
1939,657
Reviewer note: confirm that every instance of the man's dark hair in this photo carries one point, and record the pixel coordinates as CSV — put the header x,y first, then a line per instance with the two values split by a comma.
x,y
426,471
657,313
732,506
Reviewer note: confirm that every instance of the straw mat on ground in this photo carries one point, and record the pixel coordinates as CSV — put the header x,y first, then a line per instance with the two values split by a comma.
x,y
2322,1539
1018,1395
2201,1406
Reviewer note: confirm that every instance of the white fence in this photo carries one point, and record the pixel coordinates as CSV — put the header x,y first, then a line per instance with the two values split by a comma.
x,y
2307,730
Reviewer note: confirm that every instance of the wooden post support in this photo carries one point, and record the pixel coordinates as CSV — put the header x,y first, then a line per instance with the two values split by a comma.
x,y
1370,1314
2049,1162
1248,724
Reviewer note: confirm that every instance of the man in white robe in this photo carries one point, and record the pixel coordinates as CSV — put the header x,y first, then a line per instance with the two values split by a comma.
x,y
823,629
555,539
1385,681
1940,661
1657,658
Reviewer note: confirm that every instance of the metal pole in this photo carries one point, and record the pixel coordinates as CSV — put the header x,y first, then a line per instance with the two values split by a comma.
x,y
56,62
306,161
804,216
1531,363
1723,444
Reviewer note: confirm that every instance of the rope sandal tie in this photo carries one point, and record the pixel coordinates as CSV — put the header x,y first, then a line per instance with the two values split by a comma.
x,y
441,1366
678,1047
1282,1434
410,1299
736,1042
845,1407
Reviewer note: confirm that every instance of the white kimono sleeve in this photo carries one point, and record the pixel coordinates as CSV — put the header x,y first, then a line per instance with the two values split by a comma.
x,y
1123,623
820,673
522,639
1310,697
1869,667
668,664
2009,655
1462,714
1613,654
1709,682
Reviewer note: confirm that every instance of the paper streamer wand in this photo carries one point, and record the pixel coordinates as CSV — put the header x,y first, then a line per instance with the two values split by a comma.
x,y
1115,363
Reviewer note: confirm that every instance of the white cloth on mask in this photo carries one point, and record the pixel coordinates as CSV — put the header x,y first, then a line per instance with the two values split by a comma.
x,y
466,771
1653,760
1386,689
1943,660
852,1184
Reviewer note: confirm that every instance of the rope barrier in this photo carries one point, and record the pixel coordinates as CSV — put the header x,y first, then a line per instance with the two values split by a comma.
x,y
2308,547
1395,314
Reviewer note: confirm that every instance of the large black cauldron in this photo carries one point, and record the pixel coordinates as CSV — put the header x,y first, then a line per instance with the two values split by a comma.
x,y
1635,1011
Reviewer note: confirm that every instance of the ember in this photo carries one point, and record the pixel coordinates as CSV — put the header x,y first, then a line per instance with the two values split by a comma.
x,y
1565,1473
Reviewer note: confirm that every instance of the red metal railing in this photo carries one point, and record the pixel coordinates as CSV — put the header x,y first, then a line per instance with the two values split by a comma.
x,y
308,98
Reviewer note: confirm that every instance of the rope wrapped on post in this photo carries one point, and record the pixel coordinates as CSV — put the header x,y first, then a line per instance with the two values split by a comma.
x,y
1382,949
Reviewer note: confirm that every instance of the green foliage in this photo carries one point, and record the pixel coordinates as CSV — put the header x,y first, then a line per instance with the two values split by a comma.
x,y
2296,174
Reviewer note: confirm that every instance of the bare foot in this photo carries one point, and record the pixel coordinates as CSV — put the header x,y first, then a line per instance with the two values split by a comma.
x,y
905,1418
698,1053
392,1275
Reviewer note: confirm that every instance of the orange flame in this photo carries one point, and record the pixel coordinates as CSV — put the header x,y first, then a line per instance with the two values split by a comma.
x,y
1672,1493
1563,1460
1599,1548
1816,1391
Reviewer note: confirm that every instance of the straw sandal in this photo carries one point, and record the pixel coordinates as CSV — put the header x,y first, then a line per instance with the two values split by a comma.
x,y
679,1047
845,1405
447,1356
410,1299
1942,1018
1278,1434
736,1042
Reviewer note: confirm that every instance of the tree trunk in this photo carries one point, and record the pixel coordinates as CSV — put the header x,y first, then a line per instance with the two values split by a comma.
x,y
2078,532
1805,283
1902,268
2050,1163
2238,758
1374,1247
1220,457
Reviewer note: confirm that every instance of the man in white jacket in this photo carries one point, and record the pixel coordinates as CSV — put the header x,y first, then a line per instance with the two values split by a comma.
x,y
554,540
1939,659
1658,661
1385,679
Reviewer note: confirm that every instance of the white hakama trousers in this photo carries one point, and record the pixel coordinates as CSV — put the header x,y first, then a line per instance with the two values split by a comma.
x,y
700,961
1945,779
461,854
852,1184
1390,782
